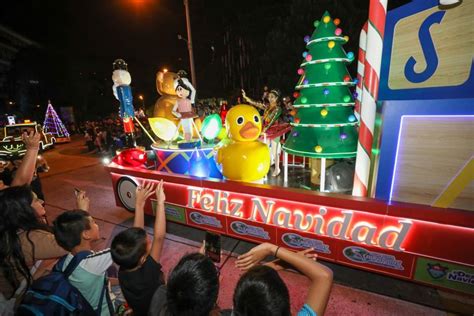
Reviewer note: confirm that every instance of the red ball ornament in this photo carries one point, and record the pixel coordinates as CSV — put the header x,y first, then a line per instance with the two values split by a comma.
x,y
300,71
347,78
131,157
296,94
337,21
309,57
297,120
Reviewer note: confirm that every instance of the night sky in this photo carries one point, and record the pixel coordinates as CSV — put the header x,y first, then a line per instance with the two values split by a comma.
x,y
84,37
143,32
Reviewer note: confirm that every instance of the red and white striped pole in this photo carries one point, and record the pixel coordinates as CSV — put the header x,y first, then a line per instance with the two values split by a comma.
x,y
370,88
360,69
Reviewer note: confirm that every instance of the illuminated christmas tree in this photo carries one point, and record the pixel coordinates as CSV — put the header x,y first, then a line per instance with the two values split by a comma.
x,y
53,124
325,125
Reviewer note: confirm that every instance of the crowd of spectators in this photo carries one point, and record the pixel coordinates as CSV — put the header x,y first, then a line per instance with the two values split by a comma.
x,y
191,288
107,135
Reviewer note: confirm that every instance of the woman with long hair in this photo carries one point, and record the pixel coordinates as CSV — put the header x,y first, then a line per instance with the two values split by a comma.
x,y
24,239
274,125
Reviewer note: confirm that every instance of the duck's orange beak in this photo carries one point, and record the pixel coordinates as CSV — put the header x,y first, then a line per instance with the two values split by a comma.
x,y
249,131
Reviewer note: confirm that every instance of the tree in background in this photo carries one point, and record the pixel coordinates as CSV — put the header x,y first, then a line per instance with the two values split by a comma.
x,y
53,124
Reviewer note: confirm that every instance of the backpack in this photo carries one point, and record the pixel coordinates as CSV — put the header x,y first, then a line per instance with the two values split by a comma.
x,y
53,294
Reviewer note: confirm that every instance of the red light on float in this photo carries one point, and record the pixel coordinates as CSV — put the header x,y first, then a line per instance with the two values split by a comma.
x,y
128,126
131,157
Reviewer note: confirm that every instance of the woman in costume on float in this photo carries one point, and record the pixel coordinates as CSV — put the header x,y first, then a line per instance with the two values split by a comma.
x,y
183,108
273,124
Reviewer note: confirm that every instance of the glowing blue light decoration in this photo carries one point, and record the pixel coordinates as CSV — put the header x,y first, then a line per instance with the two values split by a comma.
x,y
199,164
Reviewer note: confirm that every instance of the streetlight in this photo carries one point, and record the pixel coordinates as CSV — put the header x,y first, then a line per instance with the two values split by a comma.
x,y
190,44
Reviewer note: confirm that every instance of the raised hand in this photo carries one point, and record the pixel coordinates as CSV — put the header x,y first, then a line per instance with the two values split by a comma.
x,y
254,256
143,192
160,193
31,140
82,201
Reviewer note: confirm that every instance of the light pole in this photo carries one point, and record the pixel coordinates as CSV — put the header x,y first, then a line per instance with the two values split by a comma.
x,y
190,44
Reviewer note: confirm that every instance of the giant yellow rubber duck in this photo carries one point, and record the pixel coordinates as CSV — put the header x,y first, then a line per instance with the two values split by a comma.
x,y
244,158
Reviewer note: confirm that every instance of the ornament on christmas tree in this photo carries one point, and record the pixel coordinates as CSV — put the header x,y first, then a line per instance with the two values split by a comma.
x,y
338,31
306,38
309,57
296,94
53,124
325,101
337,21
316,23
300,71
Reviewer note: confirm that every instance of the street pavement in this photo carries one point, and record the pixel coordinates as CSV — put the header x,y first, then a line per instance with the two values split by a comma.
x,y
354,292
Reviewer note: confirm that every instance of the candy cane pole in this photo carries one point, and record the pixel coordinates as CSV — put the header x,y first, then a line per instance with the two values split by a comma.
x,y
370,88
360,69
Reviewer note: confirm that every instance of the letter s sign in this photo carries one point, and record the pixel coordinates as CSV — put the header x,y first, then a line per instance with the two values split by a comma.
x,y
429,51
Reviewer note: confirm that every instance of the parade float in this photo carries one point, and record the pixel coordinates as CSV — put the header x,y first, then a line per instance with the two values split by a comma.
x,y
410,214
12,146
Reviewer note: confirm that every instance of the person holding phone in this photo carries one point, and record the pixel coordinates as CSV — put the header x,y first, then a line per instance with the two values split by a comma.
x,y
212,246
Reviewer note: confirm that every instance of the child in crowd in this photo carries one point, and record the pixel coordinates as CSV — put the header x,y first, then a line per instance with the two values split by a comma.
x,y
140,271
75,231
261,291
192,289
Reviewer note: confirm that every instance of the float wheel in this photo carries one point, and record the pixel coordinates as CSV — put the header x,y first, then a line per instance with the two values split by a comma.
x,y
126,192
